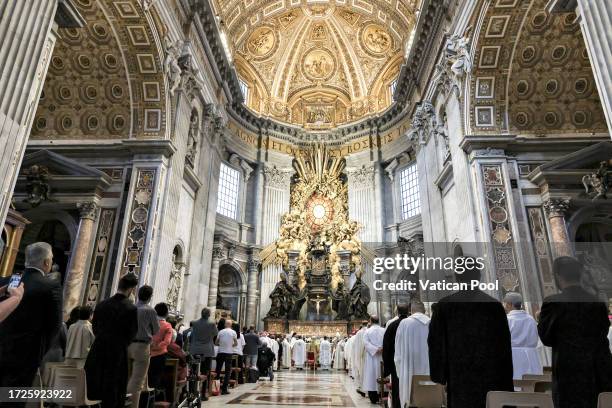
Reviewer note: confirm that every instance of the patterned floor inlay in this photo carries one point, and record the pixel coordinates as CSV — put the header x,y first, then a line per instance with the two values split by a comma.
x,y
329,400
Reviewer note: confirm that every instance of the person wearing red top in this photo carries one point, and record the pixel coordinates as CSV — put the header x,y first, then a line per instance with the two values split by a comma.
x,y
159,347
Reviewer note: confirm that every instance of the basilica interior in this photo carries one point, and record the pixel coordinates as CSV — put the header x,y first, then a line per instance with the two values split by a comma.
x,y
255,157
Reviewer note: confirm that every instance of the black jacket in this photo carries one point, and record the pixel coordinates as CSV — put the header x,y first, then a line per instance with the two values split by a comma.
x,y
575,324
388,353
469,348
26,334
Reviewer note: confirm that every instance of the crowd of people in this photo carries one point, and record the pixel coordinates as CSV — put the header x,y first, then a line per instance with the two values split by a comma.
x,y
469,342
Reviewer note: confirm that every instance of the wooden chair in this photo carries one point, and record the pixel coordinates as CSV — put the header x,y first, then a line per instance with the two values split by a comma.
x,y
72,378
604,400
502,399
426,394
170,379
311,360
543,386
524,385
538,377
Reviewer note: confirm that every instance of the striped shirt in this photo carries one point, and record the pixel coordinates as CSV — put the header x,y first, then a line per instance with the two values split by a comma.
x,y
148,325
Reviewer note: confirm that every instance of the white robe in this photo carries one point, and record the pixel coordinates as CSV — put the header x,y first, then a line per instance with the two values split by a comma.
x,y
286,360
373,341
391,321
79,340
274,347
524,338
325,354
298,353
358,355
339,356
610,338
348,355
411,352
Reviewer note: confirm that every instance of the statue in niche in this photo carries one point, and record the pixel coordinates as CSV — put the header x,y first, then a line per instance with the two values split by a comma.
x,y
360,299
192,139
171,65
341,301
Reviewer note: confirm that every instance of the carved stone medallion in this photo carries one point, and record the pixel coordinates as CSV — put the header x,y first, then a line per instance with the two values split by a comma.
x,y
318,64
262,43
375,40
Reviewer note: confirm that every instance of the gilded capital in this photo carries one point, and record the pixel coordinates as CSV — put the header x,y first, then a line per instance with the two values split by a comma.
x,y
556,207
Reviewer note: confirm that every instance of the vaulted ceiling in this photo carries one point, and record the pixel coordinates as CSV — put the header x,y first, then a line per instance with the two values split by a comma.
x,y
317,63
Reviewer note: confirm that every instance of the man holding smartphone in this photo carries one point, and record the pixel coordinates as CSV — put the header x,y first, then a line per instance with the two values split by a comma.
x,y
11,298
26,334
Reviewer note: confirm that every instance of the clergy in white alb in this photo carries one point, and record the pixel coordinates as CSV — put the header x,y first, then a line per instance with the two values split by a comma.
x,y
358,356
286,358
325,354
373,342
610,338
274,347
298,353
339,355
524,337
411,351
78,342
348,355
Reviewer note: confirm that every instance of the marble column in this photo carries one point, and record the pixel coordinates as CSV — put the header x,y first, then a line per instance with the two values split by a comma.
x,y
595,17
27,42
556,210
77,268
253,277
213,285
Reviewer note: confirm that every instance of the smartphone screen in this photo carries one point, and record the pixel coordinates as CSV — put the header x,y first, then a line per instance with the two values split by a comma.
x,y
15,280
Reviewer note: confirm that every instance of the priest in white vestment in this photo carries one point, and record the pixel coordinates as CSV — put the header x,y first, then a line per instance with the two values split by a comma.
x,y
339,355
411,352
298,353
79,340
286,359
373,342
610,338
325,354
274,347
358,356
348,355
524,337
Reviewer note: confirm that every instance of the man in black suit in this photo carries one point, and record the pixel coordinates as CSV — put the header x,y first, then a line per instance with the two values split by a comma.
x,y
469,345
575,324
26,334
115,325
388,353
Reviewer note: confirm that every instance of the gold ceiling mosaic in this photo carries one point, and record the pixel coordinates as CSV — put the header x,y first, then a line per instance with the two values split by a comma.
x,y
317,63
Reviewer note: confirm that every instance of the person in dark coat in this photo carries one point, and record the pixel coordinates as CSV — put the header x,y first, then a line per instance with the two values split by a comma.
x,y
388,352
115,324
469,345
575,324
27,333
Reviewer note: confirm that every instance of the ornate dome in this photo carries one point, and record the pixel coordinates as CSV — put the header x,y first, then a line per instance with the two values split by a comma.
x,y
317,64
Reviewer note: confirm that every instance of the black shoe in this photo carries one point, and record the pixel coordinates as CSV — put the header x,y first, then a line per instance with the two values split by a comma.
x,y
224,392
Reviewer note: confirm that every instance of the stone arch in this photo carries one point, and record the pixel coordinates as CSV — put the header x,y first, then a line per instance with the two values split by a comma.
x,y
106,79
531,72
231,288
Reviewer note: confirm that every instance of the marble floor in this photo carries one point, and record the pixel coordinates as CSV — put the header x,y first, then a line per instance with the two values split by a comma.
x,y
295,388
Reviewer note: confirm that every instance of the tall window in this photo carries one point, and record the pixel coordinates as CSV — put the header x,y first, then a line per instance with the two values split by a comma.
x,y
244,88
409,191
392,87
227,199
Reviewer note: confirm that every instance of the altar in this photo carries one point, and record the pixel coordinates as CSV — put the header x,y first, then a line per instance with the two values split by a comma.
x,y
312,328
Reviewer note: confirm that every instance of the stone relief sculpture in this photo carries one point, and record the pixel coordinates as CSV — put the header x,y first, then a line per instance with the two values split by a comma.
x,y
171,65
192,139
599,183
